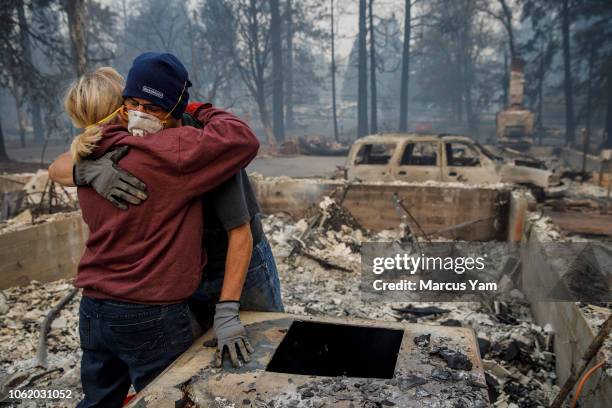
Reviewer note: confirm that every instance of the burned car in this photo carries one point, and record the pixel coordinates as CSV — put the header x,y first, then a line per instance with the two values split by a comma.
x,y
449,158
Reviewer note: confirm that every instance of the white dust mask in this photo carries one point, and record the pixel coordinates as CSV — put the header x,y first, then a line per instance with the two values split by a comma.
x,y
142,124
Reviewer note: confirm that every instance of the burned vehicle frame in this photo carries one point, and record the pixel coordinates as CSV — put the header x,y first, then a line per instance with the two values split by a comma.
x,y
441,157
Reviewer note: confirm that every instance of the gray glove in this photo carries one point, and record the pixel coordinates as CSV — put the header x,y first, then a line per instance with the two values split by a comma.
x,y
231,334
109,180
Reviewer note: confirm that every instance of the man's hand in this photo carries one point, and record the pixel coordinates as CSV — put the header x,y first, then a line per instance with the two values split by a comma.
x,y
109,180
231,334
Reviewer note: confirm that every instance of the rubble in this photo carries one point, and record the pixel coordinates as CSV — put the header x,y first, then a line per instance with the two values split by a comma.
x,y
595,315
19,332
421,311
454,358
527,379
39,196
581,190
4,307
318,145
545,227
255,177
27,219
308,288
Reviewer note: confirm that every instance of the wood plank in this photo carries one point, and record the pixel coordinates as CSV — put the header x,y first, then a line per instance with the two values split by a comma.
x,y
590,223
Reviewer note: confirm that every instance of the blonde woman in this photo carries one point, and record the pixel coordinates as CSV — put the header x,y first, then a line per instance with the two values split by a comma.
x,y
141,265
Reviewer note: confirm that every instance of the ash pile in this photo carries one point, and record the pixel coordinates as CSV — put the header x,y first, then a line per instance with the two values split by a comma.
x,y
319,265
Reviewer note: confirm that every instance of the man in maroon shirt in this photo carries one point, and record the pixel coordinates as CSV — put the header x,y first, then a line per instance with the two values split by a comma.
x,y
141,265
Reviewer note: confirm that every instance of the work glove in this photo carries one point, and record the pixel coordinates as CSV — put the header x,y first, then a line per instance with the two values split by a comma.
x,y
231,334
109,180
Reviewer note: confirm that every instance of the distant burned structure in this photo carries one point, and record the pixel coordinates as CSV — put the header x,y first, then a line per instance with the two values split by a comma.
x,y
515,123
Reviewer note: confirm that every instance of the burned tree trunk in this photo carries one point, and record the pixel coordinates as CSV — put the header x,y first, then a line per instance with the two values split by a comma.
x,y
362,90
333,73
403,121
567,68
75,9
540,95
289,116
24,40
374,102
506,81
277,73
251,57
506,19
264,115
589,103
3,155
18,93
608,126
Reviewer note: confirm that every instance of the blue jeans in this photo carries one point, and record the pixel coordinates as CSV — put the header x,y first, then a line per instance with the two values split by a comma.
x,y
128,343
261,290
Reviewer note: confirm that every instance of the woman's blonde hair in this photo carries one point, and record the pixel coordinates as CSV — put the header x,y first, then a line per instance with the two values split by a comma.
x,y
92,100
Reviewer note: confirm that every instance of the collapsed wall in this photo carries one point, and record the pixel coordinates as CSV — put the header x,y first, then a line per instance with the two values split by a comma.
x,y
44,252
482,210
575,324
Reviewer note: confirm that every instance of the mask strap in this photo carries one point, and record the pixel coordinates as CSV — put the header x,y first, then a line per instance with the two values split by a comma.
x,y
104,119
177,102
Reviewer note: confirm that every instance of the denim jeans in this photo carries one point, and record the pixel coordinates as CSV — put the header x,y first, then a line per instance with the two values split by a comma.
x,y
261,290
128,343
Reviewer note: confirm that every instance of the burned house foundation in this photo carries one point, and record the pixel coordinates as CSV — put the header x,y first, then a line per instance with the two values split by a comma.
x,y
433,354
318,361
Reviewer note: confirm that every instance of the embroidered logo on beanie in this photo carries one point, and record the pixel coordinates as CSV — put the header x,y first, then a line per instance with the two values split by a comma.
x,y
152,91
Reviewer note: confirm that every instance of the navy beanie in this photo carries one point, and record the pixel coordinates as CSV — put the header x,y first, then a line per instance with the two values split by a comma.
x,y
160,78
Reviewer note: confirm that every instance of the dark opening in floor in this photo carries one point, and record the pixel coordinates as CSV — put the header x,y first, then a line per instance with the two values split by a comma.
x,y
333,350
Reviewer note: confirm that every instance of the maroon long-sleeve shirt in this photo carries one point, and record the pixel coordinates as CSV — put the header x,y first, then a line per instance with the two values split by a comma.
x,y
152,253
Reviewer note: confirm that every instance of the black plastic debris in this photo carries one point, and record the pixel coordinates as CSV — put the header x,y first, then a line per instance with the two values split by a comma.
x,y
455,359
483,346
421,311
451,323
512,352
422,340
492,386
411,381
441,374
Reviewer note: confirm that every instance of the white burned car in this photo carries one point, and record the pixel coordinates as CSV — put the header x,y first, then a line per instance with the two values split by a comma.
x,y
412,157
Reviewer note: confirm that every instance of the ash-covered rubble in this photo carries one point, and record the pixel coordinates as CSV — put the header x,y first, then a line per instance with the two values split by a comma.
x,y
517,353
27,219
318,259
39,200
22,309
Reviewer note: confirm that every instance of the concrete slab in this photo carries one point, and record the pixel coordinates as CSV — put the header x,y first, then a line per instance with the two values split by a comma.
x,y
44,252
419,378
